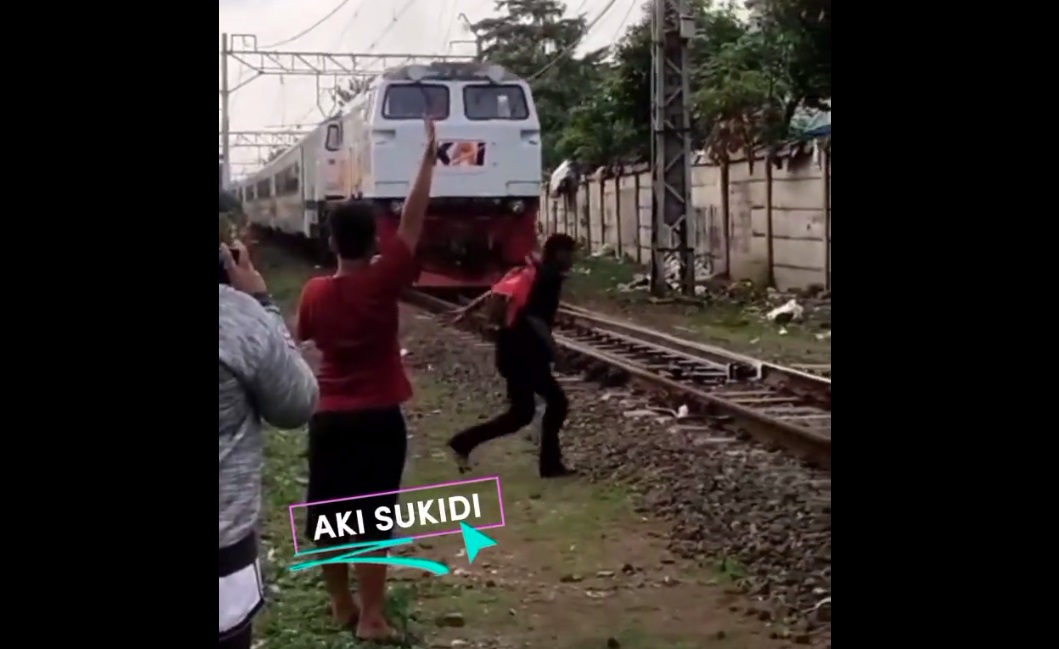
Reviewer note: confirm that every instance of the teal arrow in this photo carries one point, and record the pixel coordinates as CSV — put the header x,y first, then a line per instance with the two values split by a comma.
x,y
474,541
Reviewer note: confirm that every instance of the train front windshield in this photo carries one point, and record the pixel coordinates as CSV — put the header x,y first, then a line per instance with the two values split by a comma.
x,y
413,101
484,102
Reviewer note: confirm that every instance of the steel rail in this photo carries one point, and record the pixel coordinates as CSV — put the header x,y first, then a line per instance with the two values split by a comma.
x,y
740,391
793,379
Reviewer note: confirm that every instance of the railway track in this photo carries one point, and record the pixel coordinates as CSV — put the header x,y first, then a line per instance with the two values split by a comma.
x,y
780,405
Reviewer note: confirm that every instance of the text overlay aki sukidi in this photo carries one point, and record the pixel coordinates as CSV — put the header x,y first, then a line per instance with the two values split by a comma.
x,y
421,512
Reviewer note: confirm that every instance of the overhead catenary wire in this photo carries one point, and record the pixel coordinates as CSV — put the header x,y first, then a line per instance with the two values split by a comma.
x,y
393,21
349,25
573,46
624,19
305,31
448,29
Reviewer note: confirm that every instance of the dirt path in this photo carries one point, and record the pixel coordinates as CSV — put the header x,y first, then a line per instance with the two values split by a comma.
x,y
575,567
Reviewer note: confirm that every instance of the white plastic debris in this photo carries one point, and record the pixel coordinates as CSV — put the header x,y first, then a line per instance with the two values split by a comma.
x,y
404,352
671,266
824,336
786,313
668,413
561,173
639,413
605,250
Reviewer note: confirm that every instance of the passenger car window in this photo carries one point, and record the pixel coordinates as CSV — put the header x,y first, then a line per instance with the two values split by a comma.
x,y
333,139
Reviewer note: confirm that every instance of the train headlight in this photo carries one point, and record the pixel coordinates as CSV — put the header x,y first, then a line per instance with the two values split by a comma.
x,y
396,206
518,207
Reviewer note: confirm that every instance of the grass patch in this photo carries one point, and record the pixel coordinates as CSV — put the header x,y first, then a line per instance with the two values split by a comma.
x,y
594,276
285,273
594,282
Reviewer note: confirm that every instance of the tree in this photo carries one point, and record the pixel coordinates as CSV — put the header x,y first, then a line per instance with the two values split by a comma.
x,y
801,30
616,125
532,39
599,131
353,88
749,92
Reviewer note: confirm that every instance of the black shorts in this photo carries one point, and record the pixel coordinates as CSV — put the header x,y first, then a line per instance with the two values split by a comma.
x,y
352,454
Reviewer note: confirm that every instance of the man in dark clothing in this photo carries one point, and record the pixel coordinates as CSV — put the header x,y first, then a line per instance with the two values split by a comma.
x,y
524,354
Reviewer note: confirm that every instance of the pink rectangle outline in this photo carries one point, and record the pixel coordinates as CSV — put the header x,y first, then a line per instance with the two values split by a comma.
x,y
499,493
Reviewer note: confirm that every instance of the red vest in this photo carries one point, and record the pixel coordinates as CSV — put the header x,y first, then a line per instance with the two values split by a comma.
x,y
515,287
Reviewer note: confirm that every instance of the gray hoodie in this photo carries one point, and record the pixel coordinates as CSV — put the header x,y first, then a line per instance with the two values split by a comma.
x,y
262,377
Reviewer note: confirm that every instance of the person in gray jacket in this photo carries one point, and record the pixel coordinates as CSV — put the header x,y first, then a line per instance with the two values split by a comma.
x,y
262,378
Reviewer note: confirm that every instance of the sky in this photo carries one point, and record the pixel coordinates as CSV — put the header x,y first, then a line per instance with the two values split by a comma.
x,y
425,27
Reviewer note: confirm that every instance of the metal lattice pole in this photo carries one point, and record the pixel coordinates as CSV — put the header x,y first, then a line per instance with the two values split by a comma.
x,y
672,28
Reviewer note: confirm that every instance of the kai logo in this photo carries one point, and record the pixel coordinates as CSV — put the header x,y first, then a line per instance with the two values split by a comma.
x,y
461,153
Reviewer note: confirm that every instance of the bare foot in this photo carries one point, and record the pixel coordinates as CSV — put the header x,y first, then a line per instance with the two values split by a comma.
x,y
376,629
345,613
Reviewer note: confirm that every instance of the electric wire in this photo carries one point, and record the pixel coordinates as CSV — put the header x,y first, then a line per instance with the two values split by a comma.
x,y
624,20
308,29
386,30
573,46
448,29
348,25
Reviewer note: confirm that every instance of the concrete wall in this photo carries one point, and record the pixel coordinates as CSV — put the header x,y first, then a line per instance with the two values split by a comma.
x,y
615,212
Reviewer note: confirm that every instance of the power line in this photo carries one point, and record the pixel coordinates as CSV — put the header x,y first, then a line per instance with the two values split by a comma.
x,y
573,46
452,21
310,28
386,30
625,19
349,24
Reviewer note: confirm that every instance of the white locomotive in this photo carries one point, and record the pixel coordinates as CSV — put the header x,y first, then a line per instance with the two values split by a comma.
x,y
488,158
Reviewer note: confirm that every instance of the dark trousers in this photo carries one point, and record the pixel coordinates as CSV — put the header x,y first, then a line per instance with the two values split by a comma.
x,y
355,453
241,639
524,380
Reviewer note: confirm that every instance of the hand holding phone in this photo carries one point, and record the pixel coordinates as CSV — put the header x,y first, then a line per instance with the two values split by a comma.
x,y
241,273
223,277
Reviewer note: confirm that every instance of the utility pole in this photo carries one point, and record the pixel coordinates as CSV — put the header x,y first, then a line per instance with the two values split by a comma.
x,y
672,27
226,158
242,48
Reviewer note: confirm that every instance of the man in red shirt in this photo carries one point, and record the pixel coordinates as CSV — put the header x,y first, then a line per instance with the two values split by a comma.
x,y
357,438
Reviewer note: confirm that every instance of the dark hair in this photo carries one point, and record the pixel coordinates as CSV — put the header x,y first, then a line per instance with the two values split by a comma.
x,y
558,243
352,227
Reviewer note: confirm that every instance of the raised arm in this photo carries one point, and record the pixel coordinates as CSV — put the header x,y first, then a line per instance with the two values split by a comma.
x,y
415,206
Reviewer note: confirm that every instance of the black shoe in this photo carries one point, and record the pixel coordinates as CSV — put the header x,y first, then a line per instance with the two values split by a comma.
x,y
463,460
557,472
